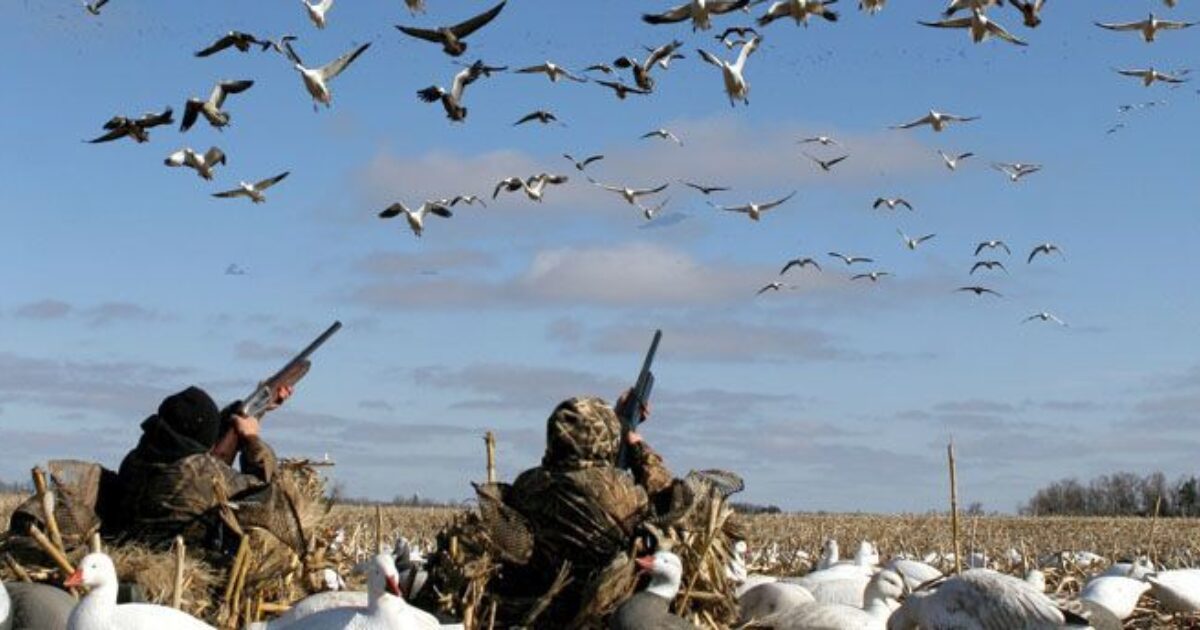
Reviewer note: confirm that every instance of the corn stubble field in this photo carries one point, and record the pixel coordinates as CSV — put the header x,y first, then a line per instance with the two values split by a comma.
x,y
789,544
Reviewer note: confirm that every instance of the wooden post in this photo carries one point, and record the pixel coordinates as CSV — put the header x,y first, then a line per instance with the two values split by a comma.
x,y
490,439
954,508
1152,551
378,529
180,556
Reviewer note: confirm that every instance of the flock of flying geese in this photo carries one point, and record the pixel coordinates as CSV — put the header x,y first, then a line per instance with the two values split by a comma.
x,y
452,40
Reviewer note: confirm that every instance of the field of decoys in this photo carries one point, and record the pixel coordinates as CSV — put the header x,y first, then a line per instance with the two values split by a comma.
x,y
590,170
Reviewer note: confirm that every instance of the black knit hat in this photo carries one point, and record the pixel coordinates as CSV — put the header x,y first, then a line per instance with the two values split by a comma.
x,y
192,413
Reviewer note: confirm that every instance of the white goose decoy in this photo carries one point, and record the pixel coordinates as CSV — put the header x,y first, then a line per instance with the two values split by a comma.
x,y
912,243
316,12
871,6
98,610
980,26
867,555
452,100
1119,595
881,595
798,10
935,119
253,191
1148,27
416,218
203,163
733,74
952,161
316,80
771,598
915,573
980,599
552,71
385,610
755,210
664,134
630,195
1137,569
700,12
1045,317
1178,591
648,609
829,549
1150,75
6,614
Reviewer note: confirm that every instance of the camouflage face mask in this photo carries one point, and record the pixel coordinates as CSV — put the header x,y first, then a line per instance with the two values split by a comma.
x,y
581,433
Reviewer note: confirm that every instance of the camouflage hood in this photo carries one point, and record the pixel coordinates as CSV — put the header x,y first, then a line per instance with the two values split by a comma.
x,y
581,433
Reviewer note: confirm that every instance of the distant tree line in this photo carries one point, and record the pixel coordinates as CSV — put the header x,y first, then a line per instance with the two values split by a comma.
x,y
337,494
751,508
1119,494
20,487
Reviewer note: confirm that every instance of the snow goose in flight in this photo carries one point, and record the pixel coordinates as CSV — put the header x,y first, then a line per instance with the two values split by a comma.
x,y
733,74
94,7
935,119
741,31
622,90
416,218
452,100
630,195
700,12
470,200
992,244
706,190
912,243
798,10
871,6
541,115
977,290
234,39
891,203
552,71
849,260
980,27
98,610
415,6
1045,317
822,140
952,161
316,80
978,598
316,12
1030,11
800,263
1148,27
138,129
649,609
508,184
211,109
641,70
664,134
873,276
1150,75
649,212
966,5
451,37
773,286
1044,248
535,186
203,163
1016,170
580,165
253,191
989,265
826,165
755,210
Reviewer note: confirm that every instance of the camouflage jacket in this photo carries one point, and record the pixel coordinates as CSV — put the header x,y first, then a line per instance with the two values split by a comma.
x,y
159,501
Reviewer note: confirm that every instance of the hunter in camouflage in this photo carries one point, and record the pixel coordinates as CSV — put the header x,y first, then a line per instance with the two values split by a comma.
x,y
580,507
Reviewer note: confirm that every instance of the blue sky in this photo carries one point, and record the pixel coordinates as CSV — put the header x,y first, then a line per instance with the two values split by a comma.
x,y
835,395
